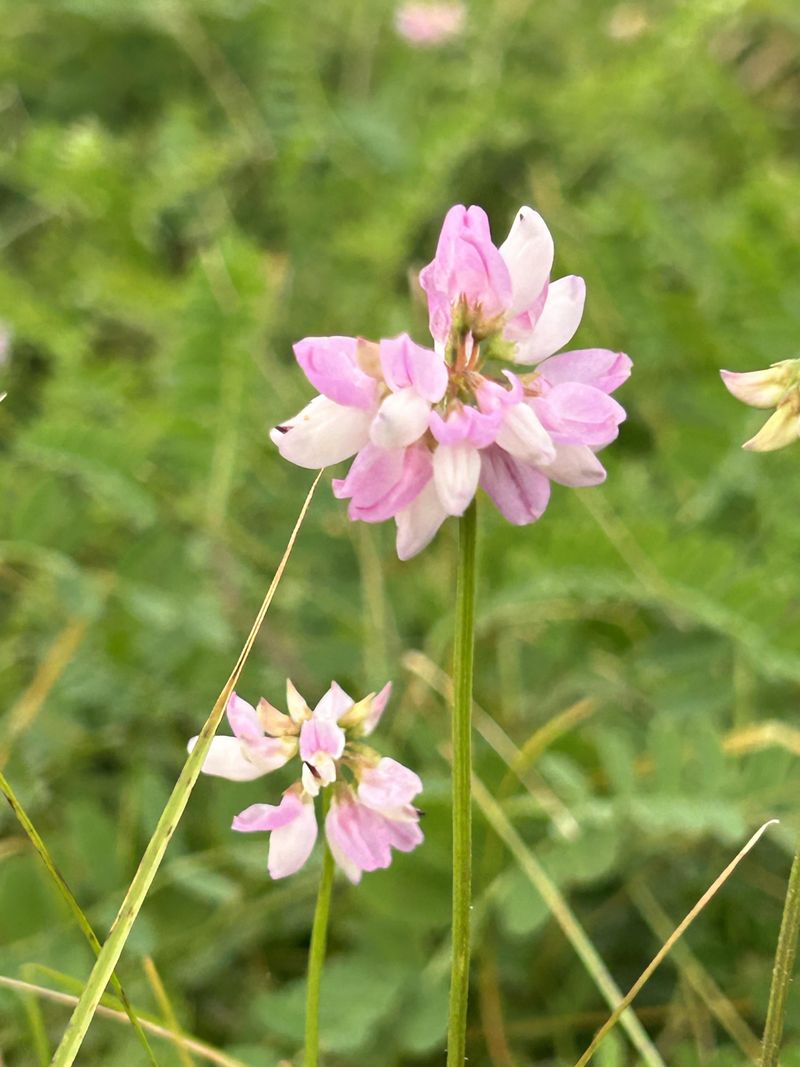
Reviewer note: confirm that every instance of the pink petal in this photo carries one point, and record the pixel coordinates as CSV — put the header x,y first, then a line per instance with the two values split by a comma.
x,y
406,364
519,492
401,419
244,719
321,735
528,254
359,833
330,365
466,264
600,367
557,323
323,433
376,710
334,704
259,817
418,522
467,425
576,414
429,24
456,472
761,388
576,466
292,844
388,785
381,483
226,758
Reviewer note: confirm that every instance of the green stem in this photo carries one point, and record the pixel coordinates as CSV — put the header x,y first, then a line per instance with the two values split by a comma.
x,y
783,968
316,959
36,840
463,653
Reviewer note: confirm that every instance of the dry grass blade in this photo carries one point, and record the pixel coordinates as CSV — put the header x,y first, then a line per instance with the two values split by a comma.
x,y
190,1044
24,711
694,973
665,948
517,760
137,891
566,919
167,1011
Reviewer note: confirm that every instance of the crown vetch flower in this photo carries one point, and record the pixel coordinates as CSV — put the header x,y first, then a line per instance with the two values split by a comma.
x,y
776,387
371,811
428,426
429,24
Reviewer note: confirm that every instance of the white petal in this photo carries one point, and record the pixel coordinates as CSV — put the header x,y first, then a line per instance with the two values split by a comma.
x,y
418,523
323,433
401,420
310,781
557,323
291,845
528,254
226,759
576,466
524,437
456,472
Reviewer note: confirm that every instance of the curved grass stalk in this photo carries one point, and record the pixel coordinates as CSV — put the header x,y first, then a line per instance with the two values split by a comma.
x,y
192,1044
80,918
154,853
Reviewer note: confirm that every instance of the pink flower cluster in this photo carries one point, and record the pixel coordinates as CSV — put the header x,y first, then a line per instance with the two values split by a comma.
x,y
429,425
429,24
368,816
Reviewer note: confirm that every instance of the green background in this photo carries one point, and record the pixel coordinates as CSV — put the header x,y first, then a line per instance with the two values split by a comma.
x,y
187,188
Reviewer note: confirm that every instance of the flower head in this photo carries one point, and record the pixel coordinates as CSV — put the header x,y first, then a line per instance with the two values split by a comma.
x,y
776,387
428,426
370,812
429,24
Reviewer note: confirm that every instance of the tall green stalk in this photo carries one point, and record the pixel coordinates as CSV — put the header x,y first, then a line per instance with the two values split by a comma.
x,y
316,960
463,653
783,968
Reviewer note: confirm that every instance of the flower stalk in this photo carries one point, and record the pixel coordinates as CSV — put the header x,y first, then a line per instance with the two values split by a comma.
x,y
463,653
316,957
783,968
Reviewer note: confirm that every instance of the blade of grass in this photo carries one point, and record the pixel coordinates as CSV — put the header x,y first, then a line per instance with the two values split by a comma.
x,y
137,891
694,973
165,1006
72,903
193,1044
680,929
566,919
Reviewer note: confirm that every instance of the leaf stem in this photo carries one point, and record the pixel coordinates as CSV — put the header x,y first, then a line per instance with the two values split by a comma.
x,y
783,968
463,654
316,959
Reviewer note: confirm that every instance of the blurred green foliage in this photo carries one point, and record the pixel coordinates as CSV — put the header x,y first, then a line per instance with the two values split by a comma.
x,y
188,187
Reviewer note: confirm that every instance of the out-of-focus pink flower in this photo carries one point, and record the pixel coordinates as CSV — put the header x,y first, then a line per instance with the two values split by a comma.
x,y
326,739
426,25
428,426
776,387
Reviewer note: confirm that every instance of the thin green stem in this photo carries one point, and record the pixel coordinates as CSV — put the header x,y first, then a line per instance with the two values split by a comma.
x,y
316,959
463,654
86,927
783,968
